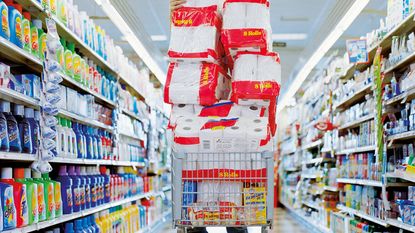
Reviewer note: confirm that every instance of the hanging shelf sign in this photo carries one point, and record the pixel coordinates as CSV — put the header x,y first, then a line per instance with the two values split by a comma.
x,y
357,51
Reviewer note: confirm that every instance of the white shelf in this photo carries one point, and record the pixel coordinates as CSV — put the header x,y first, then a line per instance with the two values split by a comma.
x,y
131,114
311,205
331,188
401,175
14,53
363,215
401,64
17,156
69,217
356,150
360,182
360,93
402,97
310,176
97,162
402,136
318,160
19,98
312,145
85,120
399,224
130,136
357,122
292,169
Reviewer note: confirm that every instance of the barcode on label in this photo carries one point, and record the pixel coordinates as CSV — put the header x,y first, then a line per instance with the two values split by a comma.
x,y
206,144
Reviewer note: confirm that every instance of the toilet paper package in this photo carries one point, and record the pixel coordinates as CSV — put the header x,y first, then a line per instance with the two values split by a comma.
x,y
179,111
196,83
205,3
195,35
225,108
230,201
246,26
186,136
256,76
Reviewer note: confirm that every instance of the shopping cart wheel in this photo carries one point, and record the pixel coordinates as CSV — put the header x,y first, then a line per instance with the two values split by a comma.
x,y
264,230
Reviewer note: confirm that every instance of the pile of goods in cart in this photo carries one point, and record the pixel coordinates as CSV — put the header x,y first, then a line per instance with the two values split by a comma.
x,y
223,83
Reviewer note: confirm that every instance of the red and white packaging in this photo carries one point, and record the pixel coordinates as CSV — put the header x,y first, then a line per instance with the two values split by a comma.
x,y
246,26
205,3
195,35
256,76
196,83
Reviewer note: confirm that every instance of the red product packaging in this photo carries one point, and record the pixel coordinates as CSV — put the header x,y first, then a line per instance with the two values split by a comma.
x,y
195,35
196,83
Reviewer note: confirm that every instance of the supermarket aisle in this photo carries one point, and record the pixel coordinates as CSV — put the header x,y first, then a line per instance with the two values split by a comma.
x,y
283,222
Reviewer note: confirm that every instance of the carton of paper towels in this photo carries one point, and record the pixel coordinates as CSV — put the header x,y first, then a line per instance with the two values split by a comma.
x,y
196,83
195,35
256,76
246,26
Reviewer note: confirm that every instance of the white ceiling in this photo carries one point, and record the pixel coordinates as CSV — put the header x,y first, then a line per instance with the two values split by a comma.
x,y
316,18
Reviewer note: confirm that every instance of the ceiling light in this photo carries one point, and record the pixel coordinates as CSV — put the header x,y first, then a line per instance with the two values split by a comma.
x,y
158,37
334,35
132,39
289,36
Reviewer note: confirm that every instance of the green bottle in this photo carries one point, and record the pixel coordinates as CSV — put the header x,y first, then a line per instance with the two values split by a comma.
x,y
40,195
42,38
34,32
57,194
77,68
61,12
26,28
68,56
49,194
31,192
60,53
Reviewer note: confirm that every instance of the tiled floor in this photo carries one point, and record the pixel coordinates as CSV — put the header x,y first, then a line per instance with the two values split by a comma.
x,y
283,223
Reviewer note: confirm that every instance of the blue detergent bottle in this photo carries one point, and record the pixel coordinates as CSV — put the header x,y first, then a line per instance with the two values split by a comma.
x,y
89,143
30,117
79,228
107,186
87,227
94,224
95,142
87,188
66,190
15,24
15,144
76,190
81,186
9,217
97,134
36,132
24,128
69,227
4,14
94,186
4,136
79,140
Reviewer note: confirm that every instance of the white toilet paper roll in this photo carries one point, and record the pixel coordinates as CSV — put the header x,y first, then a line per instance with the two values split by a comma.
x,y
205,3
208,139
208,191
186,136
234,139
253,111
231,192
234,16
248,102
257,16
246,68
179,111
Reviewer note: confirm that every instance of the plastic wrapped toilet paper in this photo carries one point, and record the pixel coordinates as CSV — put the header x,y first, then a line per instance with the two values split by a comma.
x,y
231,192
205,3
246,26
180,111
208,191
186,136
196,83
195,34
256,76
223,108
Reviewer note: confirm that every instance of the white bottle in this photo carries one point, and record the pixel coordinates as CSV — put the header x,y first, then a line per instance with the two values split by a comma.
x,y
68,140
69,14
74,143
62,142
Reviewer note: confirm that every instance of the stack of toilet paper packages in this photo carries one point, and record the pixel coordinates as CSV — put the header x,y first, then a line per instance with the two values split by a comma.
x,y
246,26
212,135
195,35
205,3
196,83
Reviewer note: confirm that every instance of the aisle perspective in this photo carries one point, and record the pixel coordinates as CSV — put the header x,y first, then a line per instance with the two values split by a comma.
x,y
83,138
346,152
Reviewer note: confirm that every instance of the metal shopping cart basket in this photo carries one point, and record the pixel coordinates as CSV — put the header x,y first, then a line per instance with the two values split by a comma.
x,y
222,189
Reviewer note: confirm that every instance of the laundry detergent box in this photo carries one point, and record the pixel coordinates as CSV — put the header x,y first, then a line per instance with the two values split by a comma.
x,y
255,205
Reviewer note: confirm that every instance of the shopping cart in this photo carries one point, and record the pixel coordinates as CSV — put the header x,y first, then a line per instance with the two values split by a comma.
x,y
222,189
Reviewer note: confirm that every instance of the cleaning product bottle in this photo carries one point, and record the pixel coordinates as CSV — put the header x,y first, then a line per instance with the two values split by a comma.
x,y
79,228
99,144
66,190
61,11
49,195
79,141
107,178
94,142
36,132
81,186
24,129
102,186
77,67
42,38
34,32
53,7
5,30
89,143
73,141
62,138
19,194
85,223
76,190
60,53
4,136
68,54
12,129
9,216
69,227
30,118
40,195
27,43
56,194
87,188
31,191
94,187
15,23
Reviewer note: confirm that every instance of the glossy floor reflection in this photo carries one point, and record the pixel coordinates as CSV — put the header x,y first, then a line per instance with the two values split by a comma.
x,y
283,223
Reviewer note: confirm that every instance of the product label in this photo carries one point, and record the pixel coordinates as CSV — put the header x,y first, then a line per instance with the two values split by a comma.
x,y
77,66
69,197
43,45
77,194
34,204
68,61
26,134
51,199
107,190
24,214
19,29
82,196
9,210
13,132
26,33
52,5
58,195
41,201
93,194
35,40
87,194
3,133
5,22
80,145
253,33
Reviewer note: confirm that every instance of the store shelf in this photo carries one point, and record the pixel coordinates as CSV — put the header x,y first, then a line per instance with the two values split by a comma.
x,y
292,169
314,227
359,94
18,98
17,156
85,121
360,182
331,188
69,217
401,64
129,136
401,175
311,176
356,123
311,205
404,97
97,162
362,215
156,226
356,150
319,160
399,224
98,97
11,52
131,114
402,136
312,145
